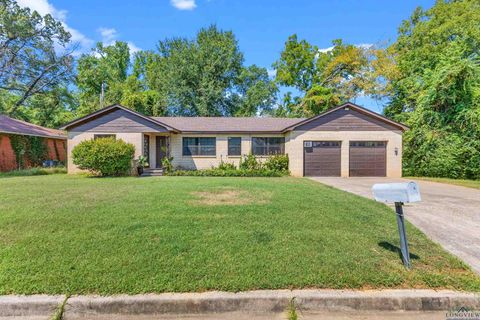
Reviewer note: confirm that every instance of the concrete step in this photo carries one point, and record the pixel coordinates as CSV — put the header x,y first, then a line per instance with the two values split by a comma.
x,y
154,172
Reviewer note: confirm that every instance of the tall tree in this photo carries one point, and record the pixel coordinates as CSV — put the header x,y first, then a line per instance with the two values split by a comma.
x,y
35,56
205,76
431,77
323,77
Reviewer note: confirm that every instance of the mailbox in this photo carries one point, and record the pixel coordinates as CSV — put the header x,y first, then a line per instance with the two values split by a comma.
x,y
396,192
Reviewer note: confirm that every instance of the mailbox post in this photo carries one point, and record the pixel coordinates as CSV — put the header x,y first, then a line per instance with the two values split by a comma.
x,y
398,193
403,235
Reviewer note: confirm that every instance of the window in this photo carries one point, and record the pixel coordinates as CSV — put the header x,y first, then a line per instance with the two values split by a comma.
x,y
146,147
199,146
268,146
234,146
101,136
368,144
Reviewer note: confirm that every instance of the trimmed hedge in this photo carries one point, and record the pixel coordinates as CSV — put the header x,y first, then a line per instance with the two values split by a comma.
x,y
228,173
105,156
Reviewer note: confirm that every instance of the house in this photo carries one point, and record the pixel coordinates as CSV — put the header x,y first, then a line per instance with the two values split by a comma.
x,y
16,139
347,140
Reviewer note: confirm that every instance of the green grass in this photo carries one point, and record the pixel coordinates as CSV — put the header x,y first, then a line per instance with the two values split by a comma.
x,y
33,172
79,235
459,182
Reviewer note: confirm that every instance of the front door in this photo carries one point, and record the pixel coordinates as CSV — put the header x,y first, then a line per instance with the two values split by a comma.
x,y
161,148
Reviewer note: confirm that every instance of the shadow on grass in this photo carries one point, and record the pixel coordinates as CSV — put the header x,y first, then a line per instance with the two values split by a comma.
x,y
390,247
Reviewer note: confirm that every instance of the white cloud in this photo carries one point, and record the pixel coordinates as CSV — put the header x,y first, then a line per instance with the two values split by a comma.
x,y
360,45
184,4
110,35
272,73
43,7
365,45
325,50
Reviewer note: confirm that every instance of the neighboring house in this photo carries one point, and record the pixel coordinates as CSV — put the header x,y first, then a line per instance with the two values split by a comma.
x,y
12,130
344,141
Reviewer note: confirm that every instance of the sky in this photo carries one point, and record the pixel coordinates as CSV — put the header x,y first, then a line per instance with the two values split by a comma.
x,y
261,26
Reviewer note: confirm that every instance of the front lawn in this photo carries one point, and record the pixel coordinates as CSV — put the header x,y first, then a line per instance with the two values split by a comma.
x,y
72,234
459,182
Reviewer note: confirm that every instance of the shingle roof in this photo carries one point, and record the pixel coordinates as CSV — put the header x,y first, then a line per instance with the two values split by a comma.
x,y
228,124
15,126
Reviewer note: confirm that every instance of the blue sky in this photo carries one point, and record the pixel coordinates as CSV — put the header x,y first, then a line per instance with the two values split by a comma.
x,y
261,26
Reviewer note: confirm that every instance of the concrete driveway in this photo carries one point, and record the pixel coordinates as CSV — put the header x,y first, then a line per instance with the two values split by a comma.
x,y
447,214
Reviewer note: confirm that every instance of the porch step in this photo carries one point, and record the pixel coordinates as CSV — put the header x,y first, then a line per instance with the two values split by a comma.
x,y
154,172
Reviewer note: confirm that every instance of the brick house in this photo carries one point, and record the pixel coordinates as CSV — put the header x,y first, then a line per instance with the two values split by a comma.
x,y
12,130
344,141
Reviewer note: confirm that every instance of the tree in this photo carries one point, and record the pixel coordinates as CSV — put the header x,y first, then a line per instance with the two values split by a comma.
x,y
205,76
35,57
324,78
104,66
430,77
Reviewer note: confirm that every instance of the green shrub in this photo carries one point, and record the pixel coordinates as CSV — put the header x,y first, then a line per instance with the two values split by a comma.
x,y
106,156
167,164
227,173
278,162
249,162
226,166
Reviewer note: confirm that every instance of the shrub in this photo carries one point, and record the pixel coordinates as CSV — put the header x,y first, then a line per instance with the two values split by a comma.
x,y
250,162
226,166
278,162
106,156
227,173
167,164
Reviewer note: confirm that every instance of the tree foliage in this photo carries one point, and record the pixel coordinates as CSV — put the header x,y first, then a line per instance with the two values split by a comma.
x,y
205,76
431,76
324,77
35,57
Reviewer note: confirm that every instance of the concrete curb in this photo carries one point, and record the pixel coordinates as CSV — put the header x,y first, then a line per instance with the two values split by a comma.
x,y
270,301
262,301
36,305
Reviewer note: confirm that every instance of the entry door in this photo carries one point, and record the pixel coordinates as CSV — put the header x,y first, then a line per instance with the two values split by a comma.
x,y
161,148
322,158
368,158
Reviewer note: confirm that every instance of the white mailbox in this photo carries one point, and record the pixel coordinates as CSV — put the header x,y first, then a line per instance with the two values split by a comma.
x,y
396,192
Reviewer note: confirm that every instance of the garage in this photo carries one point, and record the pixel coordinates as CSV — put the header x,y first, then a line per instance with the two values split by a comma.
x,y
368,159
322,158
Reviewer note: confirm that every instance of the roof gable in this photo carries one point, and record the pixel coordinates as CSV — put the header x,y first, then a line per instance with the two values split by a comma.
x,y
347,117
117,117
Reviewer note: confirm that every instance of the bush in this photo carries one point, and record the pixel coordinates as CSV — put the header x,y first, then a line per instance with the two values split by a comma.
x,y
167,164
106,156
250,162
227,173
226,166
278,162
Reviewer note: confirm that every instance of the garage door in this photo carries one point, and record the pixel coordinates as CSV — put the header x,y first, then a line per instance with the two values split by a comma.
x,y
322,158
368,159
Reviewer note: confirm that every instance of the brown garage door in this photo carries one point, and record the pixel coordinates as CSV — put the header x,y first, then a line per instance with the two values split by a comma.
x,y
368,159
322,158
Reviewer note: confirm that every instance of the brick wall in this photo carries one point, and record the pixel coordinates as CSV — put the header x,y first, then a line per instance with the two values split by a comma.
x,y
55,151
